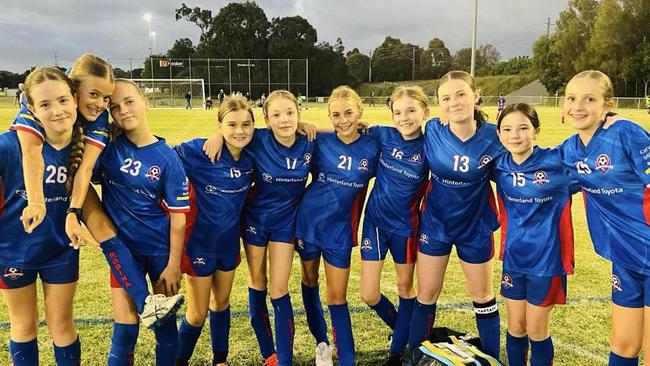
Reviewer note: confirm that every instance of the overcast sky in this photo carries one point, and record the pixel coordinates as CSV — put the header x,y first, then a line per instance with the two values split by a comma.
x,y
32,32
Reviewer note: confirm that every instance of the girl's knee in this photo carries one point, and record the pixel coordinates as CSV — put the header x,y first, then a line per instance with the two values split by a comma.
x,y
24,331
370,296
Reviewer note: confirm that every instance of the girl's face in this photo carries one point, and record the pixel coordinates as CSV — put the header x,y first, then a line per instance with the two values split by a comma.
x,y
584,104
237,128
282,117
457,101
128,107
54,105
345,115
408,116
93,96
517,133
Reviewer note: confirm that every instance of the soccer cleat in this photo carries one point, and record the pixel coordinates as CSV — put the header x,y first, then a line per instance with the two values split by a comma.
x,y
272,360
159,307
324,355
393,359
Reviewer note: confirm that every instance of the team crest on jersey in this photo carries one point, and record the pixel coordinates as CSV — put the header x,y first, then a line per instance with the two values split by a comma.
x,y
616,284
153,173
416,158
199,261
13,273
363,165
582,167
307,159
603,163
321,177
484,160
506,281
540,178
424,238
251,230
267,177
365,244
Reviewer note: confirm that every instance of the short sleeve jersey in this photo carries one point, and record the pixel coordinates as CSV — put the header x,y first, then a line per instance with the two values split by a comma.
x,y
140,186
95,133
47,245
399,186
535,213
218,193
330,209
280,177
459,204
614,171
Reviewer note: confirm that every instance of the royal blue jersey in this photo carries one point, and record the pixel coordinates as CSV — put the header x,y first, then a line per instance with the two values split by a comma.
x,y
140,185
459,204
401,176
94,133
47,245
535,213
614,171
330,209
280,178
218,192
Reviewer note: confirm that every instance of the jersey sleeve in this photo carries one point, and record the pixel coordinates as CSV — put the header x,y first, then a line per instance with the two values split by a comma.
x,y
26,122
375,132
5,147
637,143
96,133
185,154
176,197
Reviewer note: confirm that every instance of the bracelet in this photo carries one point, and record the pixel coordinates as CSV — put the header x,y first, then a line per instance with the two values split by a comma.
x,y
37,203
76,211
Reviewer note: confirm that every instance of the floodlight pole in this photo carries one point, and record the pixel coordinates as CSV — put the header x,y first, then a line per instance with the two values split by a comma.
x,y
473,67
147,18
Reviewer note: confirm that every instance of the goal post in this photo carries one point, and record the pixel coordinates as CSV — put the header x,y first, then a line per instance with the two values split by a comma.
x,y
171,93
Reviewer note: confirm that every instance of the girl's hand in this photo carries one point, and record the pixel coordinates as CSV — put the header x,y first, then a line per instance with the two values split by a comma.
x,y
308,130
363,126
32,216
170,278
212,147
79,236
610,119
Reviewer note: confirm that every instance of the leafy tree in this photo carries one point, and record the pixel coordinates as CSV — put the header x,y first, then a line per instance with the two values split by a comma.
x,y
358,65
441,60
327,69
291,37
182,48
202,18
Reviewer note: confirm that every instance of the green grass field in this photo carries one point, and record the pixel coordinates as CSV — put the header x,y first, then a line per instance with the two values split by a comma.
x,y
580,328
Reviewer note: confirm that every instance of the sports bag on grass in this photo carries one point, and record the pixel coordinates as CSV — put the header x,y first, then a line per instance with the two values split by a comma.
x,y
447,347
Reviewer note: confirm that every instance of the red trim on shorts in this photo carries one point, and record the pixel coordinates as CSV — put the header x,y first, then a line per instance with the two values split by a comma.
x,y
114,283
646,205
190,221
566,239
414,209
555,294
3,285
503,220
492,201
2,197
355,214
412,243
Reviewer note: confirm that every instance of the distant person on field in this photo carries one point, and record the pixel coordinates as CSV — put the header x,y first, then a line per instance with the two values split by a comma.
x,y
208,103
372,99
479,100
220,96
188,99
388,102
501,104
647,103
19,95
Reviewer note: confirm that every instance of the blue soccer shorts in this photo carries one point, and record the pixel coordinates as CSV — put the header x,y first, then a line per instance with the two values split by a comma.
x,y
536,290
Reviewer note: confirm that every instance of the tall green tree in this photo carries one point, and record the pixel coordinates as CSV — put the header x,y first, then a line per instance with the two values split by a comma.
x,y
358,65
182,48
441,60
291,37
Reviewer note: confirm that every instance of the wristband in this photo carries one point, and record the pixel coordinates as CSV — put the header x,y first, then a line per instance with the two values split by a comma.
x,y
76,211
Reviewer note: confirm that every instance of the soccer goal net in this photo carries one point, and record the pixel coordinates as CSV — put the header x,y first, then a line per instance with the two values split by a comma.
x,y
173,93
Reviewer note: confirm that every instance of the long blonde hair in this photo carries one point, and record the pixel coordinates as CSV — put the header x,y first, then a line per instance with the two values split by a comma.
x,y
346,93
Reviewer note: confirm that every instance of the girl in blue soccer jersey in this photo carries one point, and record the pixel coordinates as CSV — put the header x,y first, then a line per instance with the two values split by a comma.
x,y
459,209
391,215
613,167
144,191
93,83
282,158
328,215
211,253
534,192
45,251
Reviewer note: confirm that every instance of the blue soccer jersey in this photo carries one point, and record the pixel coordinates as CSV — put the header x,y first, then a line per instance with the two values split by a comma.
x,y
401,176
459,204
95,133
330,209
140,185
47,246
218,194
614,171
535,213
280,178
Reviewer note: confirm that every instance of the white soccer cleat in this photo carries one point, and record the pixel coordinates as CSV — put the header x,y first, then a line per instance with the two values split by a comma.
x,y
324,355
159,307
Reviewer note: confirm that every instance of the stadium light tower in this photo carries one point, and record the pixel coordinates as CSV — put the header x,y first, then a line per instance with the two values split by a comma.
x,y
473,67
153,39
147,18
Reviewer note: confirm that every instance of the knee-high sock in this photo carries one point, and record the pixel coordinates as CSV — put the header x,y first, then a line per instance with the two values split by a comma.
x,y
342,333
542,352
123,343
123,266
69,355
402,324
188,335
260,322
517,350
616,360
314,313
421,323
219,332
166,342
284,329
489,327
386,311
24,353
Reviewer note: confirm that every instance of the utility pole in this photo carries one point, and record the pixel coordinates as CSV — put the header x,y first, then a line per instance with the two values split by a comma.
x,y
413,65
370,66
56,59
548,27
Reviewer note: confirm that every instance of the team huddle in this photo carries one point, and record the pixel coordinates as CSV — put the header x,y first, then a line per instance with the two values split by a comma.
x,y
167,211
